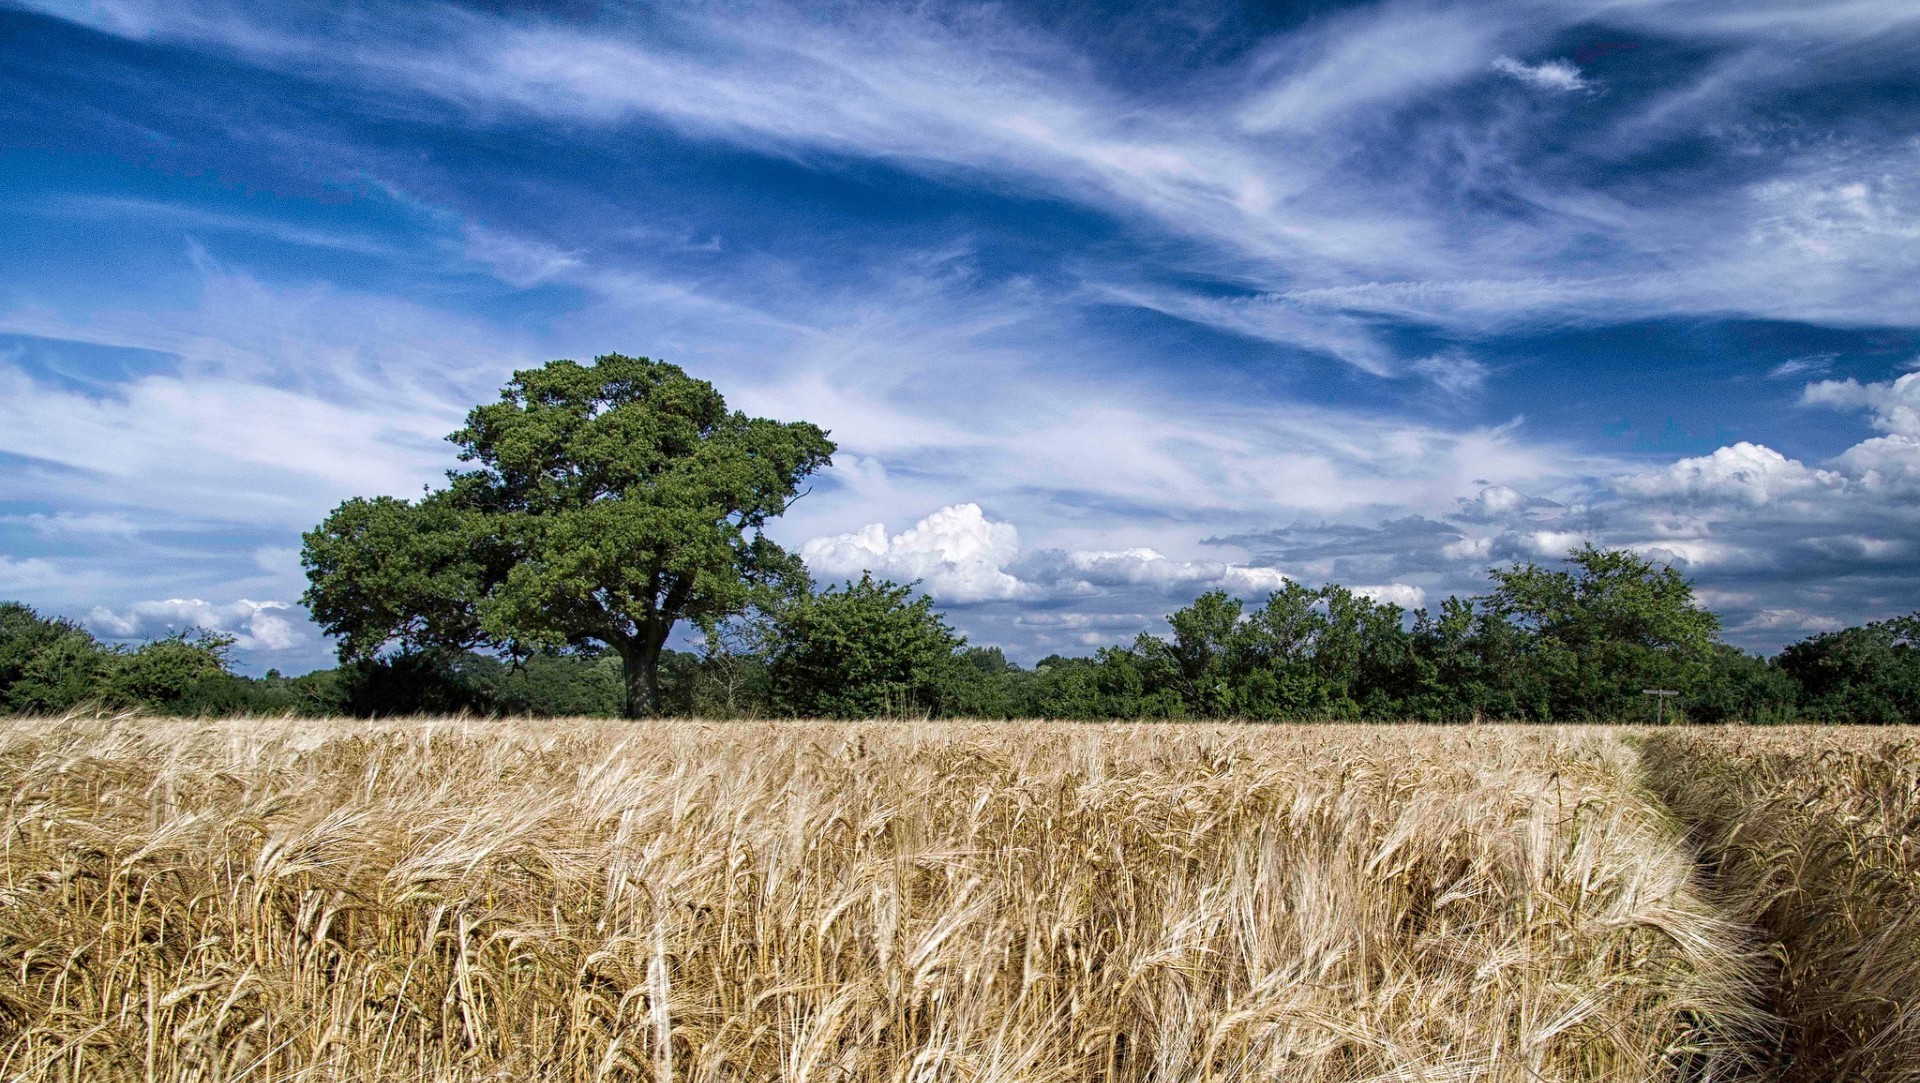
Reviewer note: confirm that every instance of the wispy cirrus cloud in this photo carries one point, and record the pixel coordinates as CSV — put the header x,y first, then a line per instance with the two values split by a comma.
x,y
1557,74
1310,274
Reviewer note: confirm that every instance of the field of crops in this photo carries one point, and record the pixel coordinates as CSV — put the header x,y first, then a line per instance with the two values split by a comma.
x,y
462,900
1813,836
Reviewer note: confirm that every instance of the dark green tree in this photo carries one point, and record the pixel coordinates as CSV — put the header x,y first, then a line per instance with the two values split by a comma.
x,y
47,664
164,672
870,649
1742,687
1203,661
1583,641
604,504
1869,674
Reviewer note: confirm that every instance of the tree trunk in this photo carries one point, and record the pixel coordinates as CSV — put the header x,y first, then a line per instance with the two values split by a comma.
x,y
641,662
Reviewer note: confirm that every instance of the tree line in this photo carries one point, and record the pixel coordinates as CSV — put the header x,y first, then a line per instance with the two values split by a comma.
x,y
1573,644
601,506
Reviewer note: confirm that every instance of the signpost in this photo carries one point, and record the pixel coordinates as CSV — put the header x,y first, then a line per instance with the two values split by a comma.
x,y
1660,698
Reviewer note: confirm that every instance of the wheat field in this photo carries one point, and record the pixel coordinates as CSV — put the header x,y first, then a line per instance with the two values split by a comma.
x,y
585,900
1812,835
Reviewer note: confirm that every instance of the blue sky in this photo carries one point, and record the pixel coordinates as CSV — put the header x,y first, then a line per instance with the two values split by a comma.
x,y
1104,308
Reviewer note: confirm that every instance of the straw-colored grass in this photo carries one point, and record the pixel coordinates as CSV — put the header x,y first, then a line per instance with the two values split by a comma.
x,y
287,900
1813,834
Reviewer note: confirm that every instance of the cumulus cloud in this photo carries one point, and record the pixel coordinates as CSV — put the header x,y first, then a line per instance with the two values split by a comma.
x,y
1404,595
261,626
1884,464
1493,502
1560,75
957,553
1474,549
1149,567
1743,473
1538,544
961,556
1894,404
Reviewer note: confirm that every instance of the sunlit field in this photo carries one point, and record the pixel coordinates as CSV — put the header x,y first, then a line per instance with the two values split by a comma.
x,y
579,900
1814,836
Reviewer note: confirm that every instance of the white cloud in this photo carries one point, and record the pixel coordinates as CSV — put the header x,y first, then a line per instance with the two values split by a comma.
x,y
1279,320
1894,404
279,559
516,260
1255,158
1809,365
1451,371
73,524
1386,55
1744,473
957,553
1789,620
1884,464
283,402
255,625
1546,544
1474,549
962,557
211,447
1142,566
1405,595
27,573
1493,502
1561,75
1084,620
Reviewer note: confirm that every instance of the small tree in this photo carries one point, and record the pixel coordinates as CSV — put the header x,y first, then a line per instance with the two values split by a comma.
x,y
866,650
605,504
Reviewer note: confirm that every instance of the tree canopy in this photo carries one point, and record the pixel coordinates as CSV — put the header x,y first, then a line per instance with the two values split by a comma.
x,y
603,504
866,650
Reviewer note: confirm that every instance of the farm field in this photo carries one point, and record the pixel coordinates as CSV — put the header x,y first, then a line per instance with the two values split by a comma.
x,y
1811,836
464,900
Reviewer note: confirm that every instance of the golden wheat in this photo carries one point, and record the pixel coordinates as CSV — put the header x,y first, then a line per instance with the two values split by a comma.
x,y
459,900
1814,835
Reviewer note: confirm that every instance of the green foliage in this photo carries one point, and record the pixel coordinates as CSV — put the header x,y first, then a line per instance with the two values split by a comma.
x,y
1741,687
54,665
1547,644
47,665
164,671
604,504
1585,641
870,649
1869,674
1304,653
386,571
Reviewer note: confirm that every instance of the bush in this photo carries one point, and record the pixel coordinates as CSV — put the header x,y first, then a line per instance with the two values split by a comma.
x,y
866,650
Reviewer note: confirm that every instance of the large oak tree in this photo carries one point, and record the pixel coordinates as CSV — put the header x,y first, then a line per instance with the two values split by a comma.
x,y
604,504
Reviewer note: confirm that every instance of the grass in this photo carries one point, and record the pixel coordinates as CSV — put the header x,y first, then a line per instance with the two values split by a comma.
x,y
1813,836
457,900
